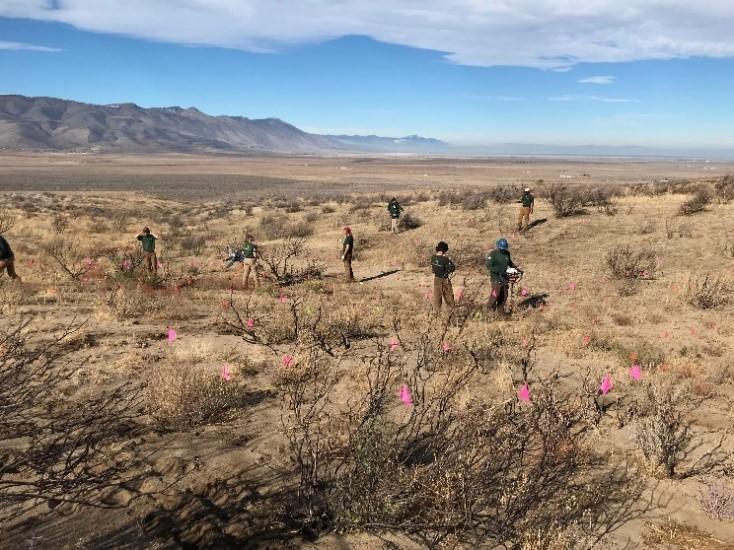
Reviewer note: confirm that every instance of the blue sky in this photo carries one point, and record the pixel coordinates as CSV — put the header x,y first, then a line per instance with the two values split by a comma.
x,y
332,78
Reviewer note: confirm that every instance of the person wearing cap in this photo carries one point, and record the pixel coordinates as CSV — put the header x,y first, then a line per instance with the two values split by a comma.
x,y
497,263
347,251
249,261
394,208
7,259
147,240
527,202
442,267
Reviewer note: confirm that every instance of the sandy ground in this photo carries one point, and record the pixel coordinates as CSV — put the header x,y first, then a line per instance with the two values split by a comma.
x,y
212,478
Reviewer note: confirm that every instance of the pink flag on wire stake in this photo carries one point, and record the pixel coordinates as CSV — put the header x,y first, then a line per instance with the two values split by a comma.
x,y
250,323
587,340
635,372
446,347
394,344
405,396
524,292
283,298
288,360
226,374
172,335
523,394
606,385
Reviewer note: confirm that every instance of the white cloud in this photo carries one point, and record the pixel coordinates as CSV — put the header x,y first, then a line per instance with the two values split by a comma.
x,y
601,80
600,99
548,34
20,46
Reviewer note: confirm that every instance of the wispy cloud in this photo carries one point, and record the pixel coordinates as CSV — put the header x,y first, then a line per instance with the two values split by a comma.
x,y
544,34
598,98
481,97
21,46
601,80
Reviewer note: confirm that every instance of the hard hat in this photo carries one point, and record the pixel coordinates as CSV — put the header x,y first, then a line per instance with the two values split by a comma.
x,y
502,244
527,189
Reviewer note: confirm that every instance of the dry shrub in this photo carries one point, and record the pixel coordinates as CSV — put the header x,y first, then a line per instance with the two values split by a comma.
x,y
698,203
408,221
681,537
327,209
7,220
192,244
709,291
724,188
131,302
486,474
187,394
717,501
566,201
666,439
280,227
69,258
284,261
627,263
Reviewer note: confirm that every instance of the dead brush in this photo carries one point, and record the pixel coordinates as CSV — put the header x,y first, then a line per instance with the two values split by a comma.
x,y
624,262
68,257
709,291
717,500
724,188
666,439
697,203
186,394
566,201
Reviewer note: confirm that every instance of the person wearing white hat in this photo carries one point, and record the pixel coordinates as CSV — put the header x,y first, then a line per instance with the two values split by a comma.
x,y
527,202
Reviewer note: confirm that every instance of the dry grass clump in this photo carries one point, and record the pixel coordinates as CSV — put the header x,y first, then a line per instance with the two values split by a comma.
x,y
130,301
697,203
709,291
186,394
625,262
682,537
717,500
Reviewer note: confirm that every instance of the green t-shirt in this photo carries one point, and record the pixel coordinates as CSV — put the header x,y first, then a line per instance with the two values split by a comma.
x,y
442,266
148,242
249,250
348,245
497,263
527,200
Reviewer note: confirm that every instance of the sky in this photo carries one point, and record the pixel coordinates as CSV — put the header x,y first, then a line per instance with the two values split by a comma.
x,y
656,73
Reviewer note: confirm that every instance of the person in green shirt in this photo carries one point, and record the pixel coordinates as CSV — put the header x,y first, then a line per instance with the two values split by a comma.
x,y
497,263
527,203
347,251
249,261
147,240
395,210
442,267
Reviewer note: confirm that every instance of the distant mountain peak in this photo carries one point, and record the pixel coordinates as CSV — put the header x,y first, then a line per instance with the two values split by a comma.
x,y
42,123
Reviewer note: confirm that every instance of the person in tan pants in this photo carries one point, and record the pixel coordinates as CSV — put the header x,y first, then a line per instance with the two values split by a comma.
x,y
527,202
442,267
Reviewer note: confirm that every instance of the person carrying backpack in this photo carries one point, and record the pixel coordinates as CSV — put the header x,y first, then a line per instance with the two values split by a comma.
x,y
394,208
497,263
442,267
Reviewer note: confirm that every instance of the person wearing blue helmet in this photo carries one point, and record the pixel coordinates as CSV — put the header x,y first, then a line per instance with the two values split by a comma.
x,y
497,263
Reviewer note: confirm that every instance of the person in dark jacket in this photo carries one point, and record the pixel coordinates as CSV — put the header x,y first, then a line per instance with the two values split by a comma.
x,y
395,210
347,251
497,263
7,259
442,267
527,202
147,241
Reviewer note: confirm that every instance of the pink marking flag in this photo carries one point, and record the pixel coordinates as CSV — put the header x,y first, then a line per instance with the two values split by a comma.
x,y
394,344
250,323
283,298
126,264
172,335
524,292
88,263
587,340
606,385
459,294
635,372
226,374
523,394
446,347
288,360
405,396
571,286
494,293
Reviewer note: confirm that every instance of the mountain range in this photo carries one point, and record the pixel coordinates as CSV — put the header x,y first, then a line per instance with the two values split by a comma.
x,y
49,124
